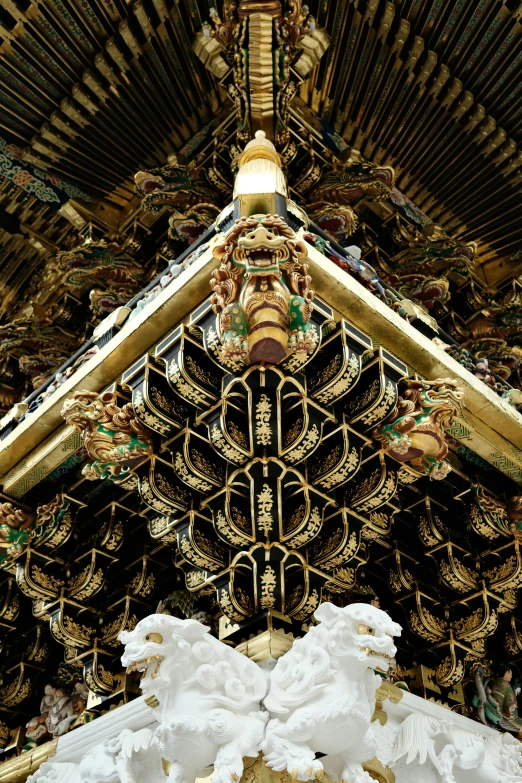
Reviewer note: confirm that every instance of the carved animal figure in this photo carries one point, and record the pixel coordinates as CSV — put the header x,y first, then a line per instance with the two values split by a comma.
x,y
414,431
502,357
331,200
514,512
496,333
458,756
503,322
352,183
262,293
433,252
131,757
105,302
208,694
323,694
38,348
16,527
427,290
183,188
114,437
180,184
100,262
338,220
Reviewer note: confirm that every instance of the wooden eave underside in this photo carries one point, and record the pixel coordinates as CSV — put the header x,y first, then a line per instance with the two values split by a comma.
x,y
94,91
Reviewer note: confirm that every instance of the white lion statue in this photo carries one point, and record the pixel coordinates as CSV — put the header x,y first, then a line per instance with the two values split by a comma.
x,y
131,757
209,697
323,694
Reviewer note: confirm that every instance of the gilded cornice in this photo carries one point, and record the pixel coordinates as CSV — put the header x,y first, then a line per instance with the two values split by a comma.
x,y
18,769
486,415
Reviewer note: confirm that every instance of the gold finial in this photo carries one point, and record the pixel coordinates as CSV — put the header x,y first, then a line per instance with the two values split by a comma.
x,y
260,179
260,147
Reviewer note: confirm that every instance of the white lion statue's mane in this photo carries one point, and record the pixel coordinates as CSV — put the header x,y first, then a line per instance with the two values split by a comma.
x,y
231,679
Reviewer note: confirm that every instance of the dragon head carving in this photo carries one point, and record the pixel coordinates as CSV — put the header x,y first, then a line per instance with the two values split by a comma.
x,y
338,220
361,631
352,182
332,200
114,438
183,188
434,253
102,262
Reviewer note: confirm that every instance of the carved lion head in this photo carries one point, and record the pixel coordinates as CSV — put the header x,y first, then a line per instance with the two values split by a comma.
x,y
158,643
360,630
261,244
82,410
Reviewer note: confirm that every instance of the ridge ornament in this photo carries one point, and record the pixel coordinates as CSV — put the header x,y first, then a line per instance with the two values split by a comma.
x,y
261,292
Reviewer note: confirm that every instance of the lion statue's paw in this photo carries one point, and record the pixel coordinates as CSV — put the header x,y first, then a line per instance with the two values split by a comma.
x,y
353,772
230,772
301,763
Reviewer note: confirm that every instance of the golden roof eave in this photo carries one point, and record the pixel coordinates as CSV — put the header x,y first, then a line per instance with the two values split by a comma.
x,y
496,426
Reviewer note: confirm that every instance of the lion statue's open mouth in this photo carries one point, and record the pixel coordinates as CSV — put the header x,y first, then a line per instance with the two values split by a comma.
x,y
261,248
145,649
142,665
